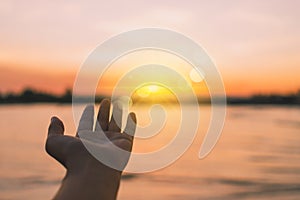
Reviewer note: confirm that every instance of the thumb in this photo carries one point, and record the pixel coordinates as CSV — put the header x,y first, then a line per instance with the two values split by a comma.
x,y
56,127
54,145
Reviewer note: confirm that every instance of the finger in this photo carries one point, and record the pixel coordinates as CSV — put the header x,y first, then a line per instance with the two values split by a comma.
x,y
87,119
131,125
56,127
103,115
116,118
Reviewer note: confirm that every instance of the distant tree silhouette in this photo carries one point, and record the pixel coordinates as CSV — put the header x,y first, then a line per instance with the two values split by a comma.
x,y
66,97
275,99
29,95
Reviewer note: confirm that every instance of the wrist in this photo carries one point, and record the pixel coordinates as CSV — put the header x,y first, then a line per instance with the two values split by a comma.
x,y
91,181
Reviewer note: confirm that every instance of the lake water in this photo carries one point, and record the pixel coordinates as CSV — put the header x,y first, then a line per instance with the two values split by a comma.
x,y
257,157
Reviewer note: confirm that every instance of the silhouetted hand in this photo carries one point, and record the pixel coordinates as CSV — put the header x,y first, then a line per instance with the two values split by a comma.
x,y
86,177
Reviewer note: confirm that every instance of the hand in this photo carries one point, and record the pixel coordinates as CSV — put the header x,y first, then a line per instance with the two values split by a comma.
x,y
86,177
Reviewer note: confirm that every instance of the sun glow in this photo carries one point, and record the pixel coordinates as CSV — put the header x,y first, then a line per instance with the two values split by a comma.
x,y
153,93
152,89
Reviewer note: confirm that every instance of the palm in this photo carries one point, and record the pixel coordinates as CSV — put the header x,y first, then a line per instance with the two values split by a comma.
x,y
74,152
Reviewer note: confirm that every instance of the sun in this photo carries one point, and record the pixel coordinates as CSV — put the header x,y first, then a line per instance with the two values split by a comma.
x,y
152,93
152,88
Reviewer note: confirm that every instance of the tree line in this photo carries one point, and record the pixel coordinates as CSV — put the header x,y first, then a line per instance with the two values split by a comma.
x,y
29,95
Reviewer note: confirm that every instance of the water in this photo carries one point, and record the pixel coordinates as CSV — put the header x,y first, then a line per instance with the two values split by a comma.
x,y
257,157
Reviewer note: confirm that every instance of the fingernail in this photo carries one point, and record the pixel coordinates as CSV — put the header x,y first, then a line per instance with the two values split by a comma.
x,y
52,119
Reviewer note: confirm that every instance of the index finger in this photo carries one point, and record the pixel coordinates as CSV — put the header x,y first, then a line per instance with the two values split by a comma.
x,y
131,125
87,119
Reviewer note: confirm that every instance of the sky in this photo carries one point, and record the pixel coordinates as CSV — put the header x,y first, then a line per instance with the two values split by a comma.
x,y
255,44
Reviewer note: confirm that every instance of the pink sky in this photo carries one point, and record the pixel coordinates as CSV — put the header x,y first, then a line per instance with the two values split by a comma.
x,y
255,44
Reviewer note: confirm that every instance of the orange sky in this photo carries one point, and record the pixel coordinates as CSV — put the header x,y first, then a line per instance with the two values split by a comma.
x,y
255,44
